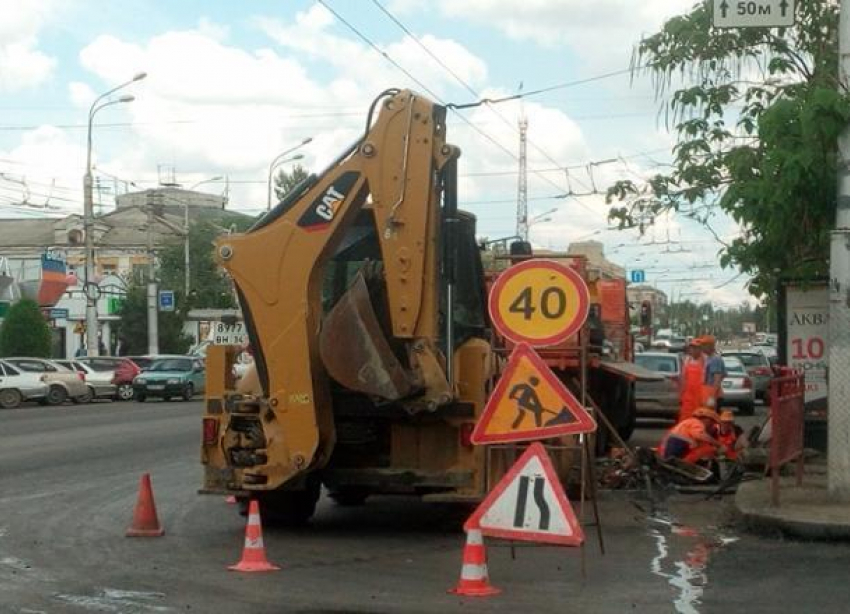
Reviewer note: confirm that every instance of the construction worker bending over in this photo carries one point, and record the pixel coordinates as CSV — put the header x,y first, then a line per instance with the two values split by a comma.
x,y
693,373
690,440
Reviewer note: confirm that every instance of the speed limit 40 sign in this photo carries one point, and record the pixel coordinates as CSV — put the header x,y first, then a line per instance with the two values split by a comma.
x,y
539,302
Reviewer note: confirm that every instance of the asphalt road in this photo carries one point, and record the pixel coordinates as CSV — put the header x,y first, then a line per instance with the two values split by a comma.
x,y
68,484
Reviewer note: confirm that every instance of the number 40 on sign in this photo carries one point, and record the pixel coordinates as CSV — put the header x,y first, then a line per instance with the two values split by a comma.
x,y
539,302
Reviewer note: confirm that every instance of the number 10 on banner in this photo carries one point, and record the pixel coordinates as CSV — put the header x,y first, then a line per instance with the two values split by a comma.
x,y
539,302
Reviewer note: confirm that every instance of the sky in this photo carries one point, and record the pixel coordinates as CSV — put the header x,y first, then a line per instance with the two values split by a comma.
x,y
230,85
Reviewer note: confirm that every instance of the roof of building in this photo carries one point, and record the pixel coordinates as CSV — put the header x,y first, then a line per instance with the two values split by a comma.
x,y
124,227
27,232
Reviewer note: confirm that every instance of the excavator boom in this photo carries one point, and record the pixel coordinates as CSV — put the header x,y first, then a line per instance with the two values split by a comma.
x,y
397,172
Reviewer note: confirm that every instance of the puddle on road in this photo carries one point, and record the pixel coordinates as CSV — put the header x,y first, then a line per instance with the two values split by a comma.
x,y
687,575
117,600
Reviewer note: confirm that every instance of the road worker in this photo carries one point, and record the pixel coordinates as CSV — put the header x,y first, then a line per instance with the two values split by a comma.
x,y
729,434
693,373
690,439
715,371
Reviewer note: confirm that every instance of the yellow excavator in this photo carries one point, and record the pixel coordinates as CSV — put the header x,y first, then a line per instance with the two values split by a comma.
x,y
364,301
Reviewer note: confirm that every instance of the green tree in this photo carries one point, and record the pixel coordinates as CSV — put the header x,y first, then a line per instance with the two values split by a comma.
x,y
133,325
757,122
25,332
209,286
284,181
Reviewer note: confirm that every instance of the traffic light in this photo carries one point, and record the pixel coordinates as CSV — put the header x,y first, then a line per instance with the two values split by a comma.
x,y
646,314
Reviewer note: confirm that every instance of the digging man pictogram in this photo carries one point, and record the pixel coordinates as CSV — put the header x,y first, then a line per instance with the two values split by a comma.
x,y
527,400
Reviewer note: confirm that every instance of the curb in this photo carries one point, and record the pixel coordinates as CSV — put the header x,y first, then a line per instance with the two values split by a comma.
x,y
789,521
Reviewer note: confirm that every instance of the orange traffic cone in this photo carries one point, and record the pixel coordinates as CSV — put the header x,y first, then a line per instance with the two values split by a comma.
x,y
145,522
474,580
254,553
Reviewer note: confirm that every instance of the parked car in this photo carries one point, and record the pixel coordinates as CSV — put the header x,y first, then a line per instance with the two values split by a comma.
x,y
99,382
17,386
120,371
671,343
170,376
659,399
738,389
759,369
63,383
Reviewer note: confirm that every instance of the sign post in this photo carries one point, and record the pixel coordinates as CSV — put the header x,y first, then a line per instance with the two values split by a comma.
x,y
753,13
166,300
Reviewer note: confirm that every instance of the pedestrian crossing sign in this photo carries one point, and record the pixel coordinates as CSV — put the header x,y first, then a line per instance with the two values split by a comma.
x,y
530,403
529,504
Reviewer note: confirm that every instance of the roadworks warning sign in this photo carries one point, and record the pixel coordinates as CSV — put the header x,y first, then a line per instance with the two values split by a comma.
x,y
530,403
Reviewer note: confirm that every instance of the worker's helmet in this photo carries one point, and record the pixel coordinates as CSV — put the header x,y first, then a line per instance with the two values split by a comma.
x,y
727,416
705,412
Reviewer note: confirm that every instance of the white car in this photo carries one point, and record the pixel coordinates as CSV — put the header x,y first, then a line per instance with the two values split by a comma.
x,y
63,383
17,386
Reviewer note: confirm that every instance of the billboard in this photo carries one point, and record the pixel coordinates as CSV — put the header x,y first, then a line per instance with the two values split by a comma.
x,y
807,331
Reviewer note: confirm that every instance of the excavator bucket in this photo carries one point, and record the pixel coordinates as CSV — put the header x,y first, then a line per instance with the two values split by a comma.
x,y
355,351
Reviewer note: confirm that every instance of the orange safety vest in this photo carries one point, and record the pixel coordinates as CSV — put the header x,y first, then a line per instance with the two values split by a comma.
x,y
692,377
729,440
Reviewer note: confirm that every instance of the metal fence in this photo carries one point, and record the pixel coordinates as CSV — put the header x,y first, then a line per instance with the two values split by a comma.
x,y
787,399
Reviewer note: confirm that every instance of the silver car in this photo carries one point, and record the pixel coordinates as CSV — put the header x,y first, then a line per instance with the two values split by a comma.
x,y
758,367
738,388
17,386
63,383
99,382
659,399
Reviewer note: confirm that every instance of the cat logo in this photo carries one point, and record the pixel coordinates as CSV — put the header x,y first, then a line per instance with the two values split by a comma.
x,y
323,210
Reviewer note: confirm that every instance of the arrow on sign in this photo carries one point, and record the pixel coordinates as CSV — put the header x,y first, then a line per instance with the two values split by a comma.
x,y
724,8
783,6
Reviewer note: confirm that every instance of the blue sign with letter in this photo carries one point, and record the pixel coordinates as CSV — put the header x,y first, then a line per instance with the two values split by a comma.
x,y
166,300
638,276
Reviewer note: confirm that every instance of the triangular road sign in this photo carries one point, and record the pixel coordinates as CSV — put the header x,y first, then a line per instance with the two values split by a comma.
x,y
529,403
529,504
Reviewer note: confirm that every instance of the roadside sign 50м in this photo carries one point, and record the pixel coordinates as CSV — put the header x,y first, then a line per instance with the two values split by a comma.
x,y
539,302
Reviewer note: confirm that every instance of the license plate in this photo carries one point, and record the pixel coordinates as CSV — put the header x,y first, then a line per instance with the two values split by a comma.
x,y
727,384
156,387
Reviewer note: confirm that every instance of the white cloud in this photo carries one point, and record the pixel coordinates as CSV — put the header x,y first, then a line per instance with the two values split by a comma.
x,y
207,104
81,94
356,62
603,32
22,64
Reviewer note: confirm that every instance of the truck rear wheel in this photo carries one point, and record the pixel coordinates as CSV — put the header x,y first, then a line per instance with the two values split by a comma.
x,y
289,508
349,497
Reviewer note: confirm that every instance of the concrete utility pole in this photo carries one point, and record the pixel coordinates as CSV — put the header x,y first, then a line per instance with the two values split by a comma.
x,y
839,296
91,290
153,306
187,287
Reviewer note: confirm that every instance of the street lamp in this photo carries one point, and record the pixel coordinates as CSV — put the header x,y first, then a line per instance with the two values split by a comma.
x,y
91,290
279,160
186,237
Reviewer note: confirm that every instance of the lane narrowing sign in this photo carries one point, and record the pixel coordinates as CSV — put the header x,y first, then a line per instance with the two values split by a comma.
x,y
529,504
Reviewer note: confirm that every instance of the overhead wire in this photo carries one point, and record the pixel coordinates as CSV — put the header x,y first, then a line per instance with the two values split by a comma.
x,y
436,97
465,84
